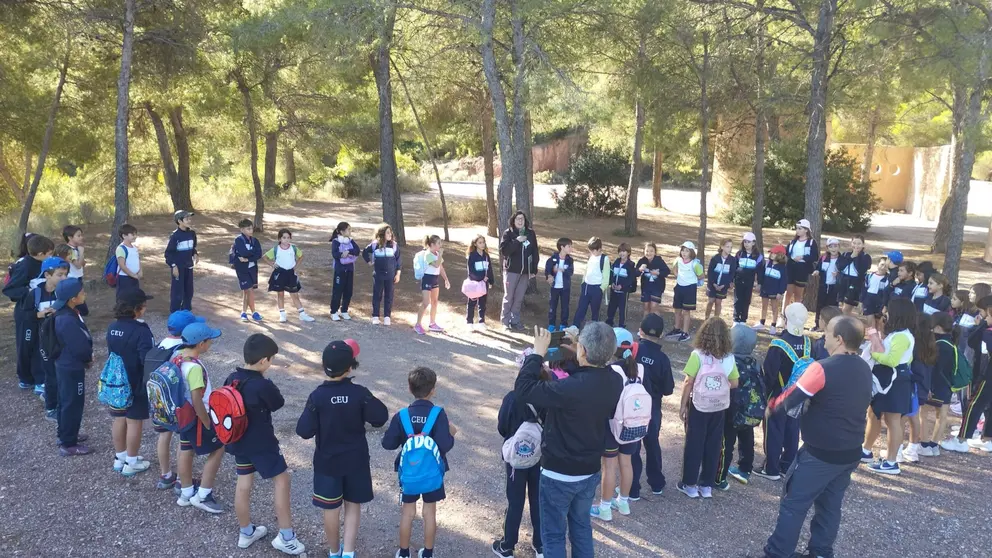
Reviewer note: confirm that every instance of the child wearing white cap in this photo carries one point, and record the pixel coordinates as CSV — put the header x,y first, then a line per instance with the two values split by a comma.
x,y
802,253
688,274
749,260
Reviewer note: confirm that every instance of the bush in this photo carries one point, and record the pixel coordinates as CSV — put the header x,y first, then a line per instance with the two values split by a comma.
x,y
848,203
596,185
365,185
470,212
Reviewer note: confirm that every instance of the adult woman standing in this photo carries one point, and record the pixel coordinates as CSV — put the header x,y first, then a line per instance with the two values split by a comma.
x,y
803,253
518,250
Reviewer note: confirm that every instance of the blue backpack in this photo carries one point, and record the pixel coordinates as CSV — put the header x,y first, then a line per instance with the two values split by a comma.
x,y
169,403
111,270
799,364
421,467
113,388
419,264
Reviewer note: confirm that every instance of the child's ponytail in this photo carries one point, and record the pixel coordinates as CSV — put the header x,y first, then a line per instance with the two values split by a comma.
x,y
629,365
339,230
430,239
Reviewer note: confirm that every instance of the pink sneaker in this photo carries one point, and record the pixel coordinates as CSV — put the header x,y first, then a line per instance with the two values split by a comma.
x,y
436,328
419,329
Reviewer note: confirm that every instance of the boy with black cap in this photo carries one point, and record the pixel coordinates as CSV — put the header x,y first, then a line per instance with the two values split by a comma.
x,y
73,356
336,413
181,256
659,382
200,439
258,449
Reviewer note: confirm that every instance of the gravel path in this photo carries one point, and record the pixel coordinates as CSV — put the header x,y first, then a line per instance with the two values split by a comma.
x,y
79,507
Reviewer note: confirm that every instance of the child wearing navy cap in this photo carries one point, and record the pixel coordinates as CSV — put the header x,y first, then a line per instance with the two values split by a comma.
x,y
257,450
73,357
422,383
336,413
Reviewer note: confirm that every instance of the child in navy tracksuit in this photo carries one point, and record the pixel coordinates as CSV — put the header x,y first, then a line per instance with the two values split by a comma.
x,y
922,291
521,484
245,253
854,265
257,451
345,251
659,382
653,270
38,306
181,256
828,272
130,338
719,277
623,281
336,413
905,283
749,261
422,382
774,277
938,300
35,248
480,269
595,282
558,273
73,357
383,255
873,293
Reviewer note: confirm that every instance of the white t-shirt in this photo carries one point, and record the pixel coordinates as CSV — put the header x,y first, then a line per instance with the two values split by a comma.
x,y
799,249
131,258
875,282
75,272
828,268
687,274
284,258
594,273
170,343
186,367
429,258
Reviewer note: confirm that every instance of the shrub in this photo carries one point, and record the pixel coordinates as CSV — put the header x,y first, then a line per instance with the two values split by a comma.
x,y
365,185
848,203
596,185
468,212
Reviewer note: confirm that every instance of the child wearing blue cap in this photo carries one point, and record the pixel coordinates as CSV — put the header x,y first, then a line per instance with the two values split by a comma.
x,y
201,439
163,352
73,353
38,306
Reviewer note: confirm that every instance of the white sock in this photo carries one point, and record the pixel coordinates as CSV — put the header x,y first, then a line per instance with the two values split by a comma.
x,y
120,456
132,460
623,499
203,492
188,492
604,504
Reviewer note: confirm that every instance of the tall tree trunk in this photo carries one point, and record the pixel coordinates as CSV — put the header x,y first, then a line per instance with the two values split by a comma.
x,y
271,154
46,142
249,106
392,205
8,177
704,146
521,143
492,226
988,248
181,137
870,145
165,153
529,162
289,162
634,183
816,110
657,173
760,133
427,148
122,203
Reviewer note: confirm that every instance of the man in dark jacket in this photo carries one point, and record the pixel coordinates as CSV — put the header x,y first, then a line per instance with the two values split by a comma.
x,y
518,250
578,409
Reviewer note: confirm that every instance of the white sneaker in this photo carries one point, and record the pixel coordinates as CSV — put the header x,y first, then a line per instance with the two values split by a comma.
x,y
899,456
245,542
139,466
385,321
184,501
935,451
118,465
925,451
282,316
304,317
335,317
345,316
293,547
980,445
953,444
912,453
706,491
375,320
772,331
758,326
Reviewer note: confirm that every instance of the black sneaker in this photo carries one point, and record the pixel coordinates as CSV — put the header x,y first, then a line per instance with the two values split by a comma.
x,y
672,333
498,549
766,474
518,327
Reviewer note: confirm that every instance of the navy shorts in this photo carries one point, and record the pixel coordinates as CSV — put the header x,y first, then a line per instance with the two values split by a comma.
x,y
161,429
719,295
872,304
284,280
429,498
138,410
685,297
247,278
631,448
429,282
267,465
330,491
199,440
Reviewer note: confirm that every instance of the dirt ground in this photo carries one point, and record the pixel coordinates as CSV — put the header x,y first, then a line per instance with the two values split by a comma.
x,y
79,507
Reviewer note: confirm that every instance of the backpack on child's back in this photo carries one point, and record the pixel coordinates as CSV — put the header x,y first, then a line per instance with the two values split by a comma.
x,y
113,388
633,413
799,365
227,412
749,400
169,403
420,264
421,467
523,449
711,387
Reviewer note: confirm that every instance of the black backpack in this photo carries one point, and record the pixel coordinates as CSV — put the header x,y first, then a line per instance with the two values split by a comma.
x,y
749,400
48,341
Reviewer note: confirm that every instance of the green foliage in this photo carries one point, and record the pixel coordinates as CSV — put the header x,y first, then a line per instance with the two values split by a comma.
x,y
597,184
471,212
848,203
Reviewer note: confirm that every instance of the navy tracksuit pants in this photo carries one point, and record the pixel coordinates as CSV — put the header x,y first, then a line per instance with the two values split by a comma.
x,y
781,443
745,450
126,283
51,383
742,302
470,310
521,484
72,390
618,301
344,286
382,292
652,454
27,351
558,297
591,296
703,444
181,293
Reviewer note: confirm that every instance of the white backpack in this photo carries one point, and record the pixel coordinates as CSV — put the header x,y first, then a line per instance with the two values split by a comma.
x,y
419,265
523,449
630,421
711,388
